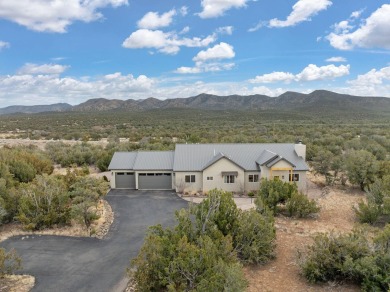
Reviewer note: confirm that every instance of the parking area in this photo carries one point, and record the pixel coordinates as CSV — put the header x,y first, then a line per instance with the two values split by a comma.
x,y
89,264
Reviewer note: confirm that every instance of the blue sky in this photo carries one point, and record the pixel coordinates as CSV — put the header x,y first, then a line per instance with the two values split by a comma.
x,y
73,50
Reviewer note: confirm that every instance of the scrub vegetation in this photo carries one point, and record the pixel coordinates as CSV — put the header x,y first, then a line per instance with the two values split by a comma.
x,y
351,151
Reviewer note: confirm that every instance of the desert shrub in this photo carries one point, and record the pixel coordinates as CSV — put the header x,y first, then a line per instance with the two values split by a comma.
x,y
351,257
254,237
275,195
377,207
202,252
22,171
10,262
168,260
299,205
367,212
44,203
274,192
104,161
330,257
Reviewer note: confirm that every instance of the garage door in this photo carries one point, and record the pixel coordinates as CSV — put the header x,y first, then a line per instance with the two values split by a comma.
x,y
125,180
155,181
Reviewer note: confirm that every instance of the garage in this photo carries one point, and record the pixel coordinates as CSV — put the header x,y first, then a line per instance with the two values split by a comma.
x,y
154,181
125,180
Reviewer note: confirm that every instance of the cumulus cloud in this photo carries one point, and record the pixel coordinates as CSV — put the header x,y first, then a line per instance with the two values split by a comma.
x,y
259,25
372,33
336,59
4,45
274,77
33,89
310,73
302,10
225,30
33,69
209,60
216,8
168,43
153,20
54,15
220,51
373,77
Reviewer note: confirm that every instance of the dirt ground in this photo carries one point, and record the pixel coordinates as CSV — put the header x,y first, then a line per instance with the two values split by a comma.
x,y
17,283
282,274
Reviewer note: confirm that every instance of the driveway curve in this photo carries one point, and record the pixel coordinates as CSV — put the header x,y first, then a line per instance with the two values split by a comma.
x,y
62,263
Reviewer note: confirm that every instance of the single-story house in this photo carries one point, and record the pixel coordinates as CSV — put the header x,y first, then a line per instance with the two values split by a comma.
x,y
197,168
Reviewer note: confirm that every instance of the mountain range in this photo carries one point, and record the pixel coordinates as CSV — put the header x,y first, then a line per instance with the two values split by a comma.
x,y
317,101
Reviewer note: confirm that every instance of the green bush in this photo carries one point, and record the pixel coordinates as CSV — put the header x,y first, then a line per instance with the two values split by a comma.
x,y
275,195
367,212
349,257
22,171
254,238
202,252
44,203
10,262
299,205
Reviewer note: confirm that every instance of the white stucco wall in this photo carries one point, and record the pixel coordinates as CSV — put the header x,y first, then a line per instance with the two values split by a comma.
x,y
181,186
112,181
251,186
215,170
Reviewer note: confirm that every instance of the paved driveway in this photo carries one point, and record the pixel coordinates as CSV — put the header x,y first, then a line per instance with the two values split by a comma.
x,y
89,264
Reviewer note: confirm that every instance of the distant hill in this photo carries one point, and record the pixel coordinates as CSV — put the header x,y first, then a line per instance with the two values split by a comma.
x,y
316,102
58,107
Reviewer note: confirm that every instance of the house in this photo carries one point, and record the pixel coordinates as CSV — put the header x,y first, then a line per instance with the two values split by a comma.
x,y
196,168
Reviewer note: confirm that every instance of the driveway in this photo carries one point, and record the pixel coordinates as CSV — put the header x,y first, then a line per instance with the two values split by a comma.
x,y
61,263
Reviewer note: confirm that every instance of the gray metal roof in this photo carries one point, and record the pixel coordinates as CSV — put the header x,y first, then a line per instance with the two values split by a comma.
x,y
143,160
154,160
122,161
194,157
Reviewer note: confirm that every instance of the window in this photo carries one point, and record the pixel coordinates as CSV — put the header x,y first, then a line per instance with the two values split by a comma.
x,y
210,178
190,178
253,178
120,173
228,179
294,177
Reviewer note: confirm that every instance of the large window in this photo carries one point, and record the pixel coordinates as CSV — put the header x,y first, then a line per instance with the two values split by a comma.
x,y
253,178
190,178
294,177
228,179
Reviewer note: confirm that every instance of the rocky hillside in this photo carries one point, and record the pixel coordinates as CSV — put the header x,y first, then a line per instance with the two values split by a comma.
x,y
58,107
317,101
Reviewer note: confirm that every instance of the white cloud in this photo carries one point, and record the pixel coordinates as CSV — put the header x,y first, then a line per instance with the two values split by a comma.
x,y
310,73
274,77
225,30
54,15
218,52
376,82
336,59
209,60
372,33
373,77
183,10
44,89
4,45
45,69
168,43
313,72
153,20
216,8
303,10
259,25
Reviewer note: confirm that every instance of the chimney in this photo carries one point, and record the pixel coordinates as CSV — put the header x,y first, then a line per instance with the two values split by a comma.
x,y
300,149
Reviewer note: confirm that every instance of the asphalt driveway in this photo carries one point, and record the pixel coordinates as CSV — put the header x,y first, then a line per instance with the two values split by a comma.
x,y
87,264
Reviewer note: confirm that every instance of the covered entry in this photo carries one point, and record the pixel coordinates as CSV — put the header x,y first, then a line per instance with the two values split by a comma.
x,y
155,181
124,180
